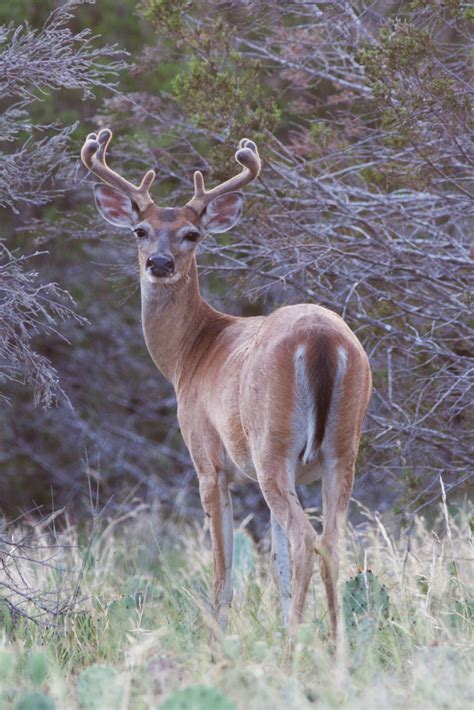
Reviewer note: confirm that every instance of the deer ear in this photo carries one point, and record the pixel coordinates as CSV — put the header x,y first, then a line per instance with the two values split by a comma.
x,y
115,206
223,212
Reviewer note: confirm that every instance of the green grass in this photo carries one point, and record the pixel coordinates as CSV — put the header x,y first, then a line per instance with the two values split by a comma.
x,y
141,628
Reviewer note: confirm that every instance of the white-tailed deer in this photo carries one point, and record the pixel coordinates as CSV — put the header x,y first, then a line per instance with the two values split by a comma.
x,y
279,398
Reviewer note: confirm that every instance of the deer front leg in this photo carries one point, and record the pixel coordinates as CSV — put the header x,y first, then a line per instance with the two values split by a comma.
x,y
217,505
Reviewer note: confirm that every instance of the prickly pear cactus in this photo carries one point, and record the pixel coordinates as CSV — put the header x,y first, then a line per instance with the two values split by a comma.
x,y
37,666
34,701
122,611
244,559
260,650
197,697
99,688
364,596
8,661
232,647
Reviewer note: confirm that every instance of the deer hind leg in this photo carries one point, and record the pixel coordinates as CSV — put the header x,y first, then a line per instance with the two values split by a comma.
x,y
285,507
217,504
337,488
281,567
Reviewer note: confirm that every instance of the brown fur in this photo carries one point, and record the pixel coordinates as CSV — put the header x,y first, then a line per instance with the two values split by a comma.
x,y
169,214
206,338
235,385
235,380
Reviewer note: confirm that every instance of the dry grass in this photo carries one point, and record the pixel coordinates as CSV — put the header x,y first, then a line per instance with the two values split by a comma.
x,y
132,594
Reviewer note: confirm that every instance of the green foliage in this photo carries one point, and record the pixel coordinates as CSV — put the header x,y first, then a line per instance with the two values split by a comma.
x,y
452,8
401,47
18,11
99,688
218,88
197,697
410,90
227,100
321,132
166,15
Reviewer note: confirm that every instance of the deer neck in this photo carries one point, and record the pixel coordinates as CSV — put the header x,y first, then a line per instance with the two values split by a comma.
x,y
173,316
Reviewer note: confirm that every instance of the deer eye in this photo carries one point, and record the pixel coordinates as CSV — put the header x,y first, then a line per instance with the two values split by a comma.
x,y
192,236
140,232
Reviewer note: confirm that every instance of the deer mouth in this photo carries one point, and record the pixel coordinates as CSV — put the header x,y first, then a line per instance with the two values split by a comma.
x,y
163,280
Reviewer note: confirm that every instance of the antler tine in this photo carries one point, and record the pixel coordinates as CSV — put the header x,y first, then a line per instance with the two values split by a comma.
x,y
248,157
93,156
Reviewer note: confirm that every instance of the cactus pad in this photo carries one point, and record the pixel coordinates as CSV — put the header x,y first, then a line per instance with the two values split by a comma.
x,y
364,596
34,701
99,688
37,665
197,697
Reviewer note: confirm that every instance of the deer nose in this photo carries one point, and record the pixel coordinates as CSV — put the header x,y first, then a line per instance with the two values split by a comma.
x,y
160,265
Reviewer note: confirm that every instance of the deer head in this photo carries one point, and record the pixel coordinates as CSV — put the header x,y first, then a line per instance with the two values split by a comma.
x,y
167,237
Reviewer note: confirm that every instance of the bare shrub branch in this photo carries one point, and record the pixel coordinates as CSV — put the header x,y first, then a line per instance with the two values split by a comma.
x,y
33,159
